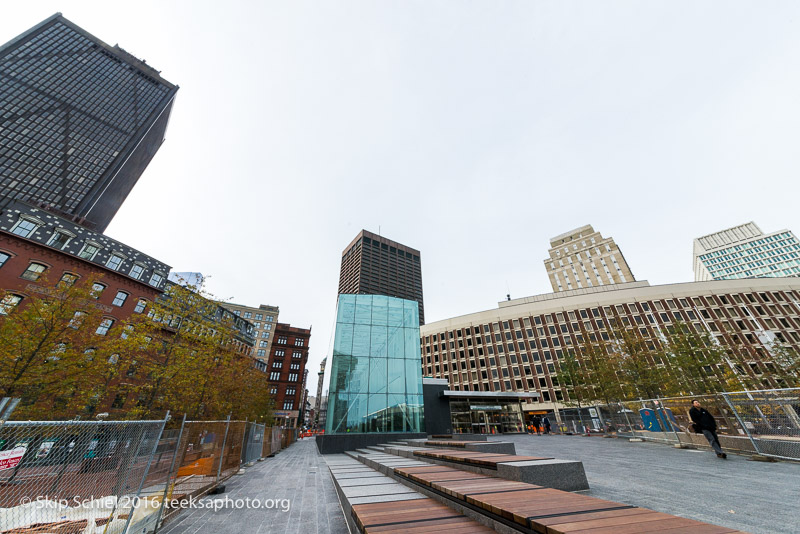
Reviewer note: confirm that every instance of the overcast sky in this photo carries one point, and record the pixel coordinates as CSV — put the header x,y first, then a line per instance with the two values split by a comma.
x,y
472,131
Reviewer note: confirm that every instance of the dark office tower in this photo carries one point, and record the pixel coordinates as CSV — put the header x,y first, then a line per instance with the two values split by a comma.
x,y
79,121
374,265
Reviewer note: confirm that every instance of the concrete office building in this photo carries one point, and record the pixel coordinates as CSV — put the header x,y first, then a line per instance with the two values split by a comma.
x,y
264,318
79,121
583,258
516,347
374,265
745,251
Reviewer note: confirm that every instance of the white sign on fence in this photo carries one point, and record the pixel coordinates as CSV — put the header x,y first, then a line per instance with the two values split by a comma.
x,y
11,458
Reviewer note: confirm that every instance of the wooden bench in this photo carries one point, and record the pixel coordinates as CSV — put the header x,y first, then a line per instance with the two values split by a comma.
x,y
458,444
567,475
417,516
532,508
479,459
499,447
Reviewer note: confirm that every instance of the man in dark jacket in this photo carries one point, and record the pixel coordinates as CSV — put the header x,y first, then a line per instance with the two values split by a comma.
x,y
704,423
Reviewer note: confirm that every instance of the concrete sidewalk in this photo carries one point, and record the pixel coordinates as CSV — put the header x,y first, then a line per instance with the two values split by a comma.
x,y
737,493
298,474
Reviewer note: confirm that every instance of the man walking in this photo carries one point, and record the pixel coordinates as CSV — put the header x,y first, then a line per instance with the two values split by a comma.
x,y
704,423
546,423
536,424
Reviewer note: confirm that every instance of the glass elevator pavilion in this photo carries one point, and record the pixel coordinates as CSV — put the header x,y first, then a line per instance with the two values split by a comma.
x,y
375,369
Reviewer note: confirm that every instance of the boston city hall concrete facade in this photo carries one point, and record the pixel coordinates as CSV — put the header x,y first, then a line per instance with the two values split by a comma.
x,y
515,348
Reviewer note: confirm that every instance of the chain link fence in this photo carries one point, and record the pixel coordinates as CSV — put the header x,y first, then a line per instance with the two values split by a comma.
x,y
765,422
119,477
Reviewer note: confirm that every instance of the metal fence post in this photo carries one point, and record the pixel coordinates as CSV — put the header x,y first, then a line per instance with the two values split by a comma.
x,y
668,419
169,476
627,419
738,418
222,452
144,475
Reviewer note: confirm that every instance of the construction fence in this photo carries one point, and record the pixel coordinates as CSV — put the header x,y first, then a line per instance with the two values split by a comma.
x,y
119,477
763,422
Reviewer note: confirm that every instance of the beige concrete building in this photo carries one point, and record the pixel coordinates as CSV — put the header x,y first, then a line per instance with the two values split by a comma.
x,y
517,347
264,319
583,258
745,251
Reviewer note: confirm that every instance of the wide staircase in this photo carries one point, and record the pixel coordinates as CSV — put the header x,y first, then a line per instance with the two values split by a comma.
x,y
401,487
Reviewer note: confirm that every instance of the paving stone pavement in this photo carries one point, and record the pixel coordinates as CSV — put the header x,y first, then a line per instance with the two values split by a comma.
x,y
298,474
752,496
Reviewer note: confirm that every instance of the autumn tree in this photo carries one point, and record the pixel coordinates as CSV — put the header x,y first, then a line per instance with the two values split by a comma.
x,y
785,364
185,355
50,345
598,378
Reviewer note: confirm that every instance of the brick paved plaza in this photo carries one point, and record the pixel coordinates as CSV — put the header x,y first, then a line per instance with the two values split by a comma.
x,y
737,493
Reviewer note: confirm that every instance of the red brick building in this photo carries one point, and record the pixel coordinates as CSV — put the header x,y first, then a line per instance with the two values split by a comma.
x,y
36,245
286,368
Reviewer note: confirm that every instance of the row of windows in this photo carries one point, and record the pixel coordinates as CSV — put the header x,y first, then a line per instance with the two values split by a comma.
x,y
25,227
35,271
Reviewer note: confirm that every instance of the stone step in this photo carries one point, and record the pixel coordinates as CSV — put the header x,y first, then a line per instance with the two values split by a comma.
x,y
377,448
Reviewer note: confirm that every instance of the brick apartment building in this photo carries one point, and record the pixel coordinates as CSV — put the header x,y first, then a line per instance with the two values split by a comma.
x,y
286,368
36,245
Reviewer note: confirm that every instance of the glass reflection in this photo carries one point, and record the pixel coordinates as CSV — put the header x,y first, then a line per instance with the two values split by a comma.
x,y
376,379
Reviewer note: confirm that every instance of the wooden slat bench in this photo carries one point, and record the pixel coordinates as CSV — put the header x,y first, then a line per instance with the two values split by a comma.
x,y
480,459
417,516
532,508
567,475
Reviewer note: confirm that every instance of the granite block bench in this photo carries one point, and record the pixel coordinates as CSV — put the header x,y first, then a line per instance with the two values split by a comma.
x,y
567,475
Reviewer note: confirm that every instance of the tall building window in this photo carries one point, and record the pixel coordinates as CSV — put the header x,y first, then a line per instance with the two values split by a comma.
x,y
137,271
275,375
114,262
97,289
261,353
263,344
156,279
288,405
59,240
141,304
265,334
259,316
292,377
120,298
34,271
9,302
299,342
105,326
89,251
277,364
290,391
297,354
282,340
269,318
248,315
68,280
3,258
280,352
24,228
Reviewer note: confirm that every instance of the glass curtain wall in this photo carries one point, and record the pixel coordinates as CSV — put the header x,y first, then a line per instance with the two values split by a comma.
x,y
376,370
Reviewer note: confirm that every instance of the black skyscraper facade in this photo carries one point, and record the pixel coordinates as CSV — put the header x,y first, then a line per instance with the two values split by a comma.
x,y
374,265
79,121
